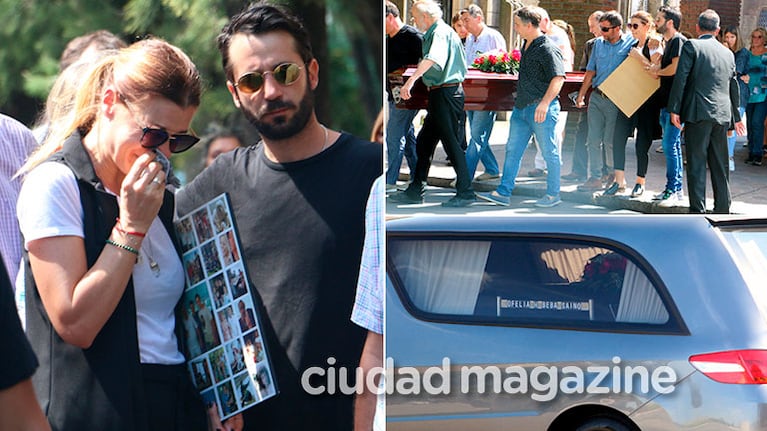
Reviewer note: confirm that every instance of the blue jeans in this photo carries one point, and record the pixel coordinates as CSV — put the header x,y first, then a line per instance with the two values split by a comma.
x,y
400,140
731,139
481,125
521,127
672,149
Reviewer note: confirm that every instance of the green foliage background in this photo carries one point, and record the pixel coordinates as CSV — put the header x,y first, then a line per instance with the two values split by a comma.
x,y
347,38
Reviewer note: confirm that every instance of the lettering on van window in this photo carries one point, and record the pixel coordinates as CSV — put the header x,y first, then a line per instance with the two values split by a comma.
x,y
537,304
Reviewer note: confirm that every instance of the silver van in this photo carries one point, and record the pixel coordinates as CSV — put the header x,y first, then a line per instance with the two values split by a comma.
x,y
576,323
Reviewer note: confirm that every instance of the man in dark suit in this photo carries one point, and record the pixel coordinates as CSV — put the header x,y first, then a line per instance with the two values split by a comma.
x,y
705,97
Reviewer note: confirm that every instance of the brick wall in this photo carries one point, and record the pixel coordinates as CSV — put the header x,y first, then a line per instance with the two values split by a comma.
x,y
576,13
728,10
690,10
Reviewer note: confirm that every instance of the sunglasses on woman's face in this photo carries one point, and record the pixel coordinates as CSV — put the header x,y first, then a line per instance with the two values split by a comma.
x,y
634,25
284,74
152,137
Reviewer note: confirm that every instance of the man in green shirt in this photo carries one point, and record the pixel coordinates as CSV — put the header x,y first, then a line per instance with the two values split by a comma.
x,y
443,68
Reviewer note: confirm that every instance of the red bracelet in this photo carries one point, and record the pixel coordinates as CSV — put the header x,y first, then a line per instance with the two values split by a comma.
x,y
120,229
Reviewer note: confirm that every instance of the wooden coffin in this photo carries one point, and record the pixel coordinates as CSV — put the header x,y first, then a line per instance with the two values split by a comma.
x,y
484,91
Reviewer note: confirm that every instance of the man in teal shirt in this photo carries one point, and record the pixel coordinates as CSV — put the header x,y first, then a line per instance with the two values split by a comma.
x,y
443,68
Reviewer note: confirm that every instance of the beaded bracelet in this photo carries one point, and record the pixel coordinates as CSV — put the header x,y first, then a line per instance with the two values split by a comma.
x,y
122,246
119,228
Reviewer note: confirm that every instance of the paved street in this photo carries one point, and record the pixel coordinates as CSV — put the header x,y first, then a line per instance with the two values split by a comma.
x,y
748,185
520,205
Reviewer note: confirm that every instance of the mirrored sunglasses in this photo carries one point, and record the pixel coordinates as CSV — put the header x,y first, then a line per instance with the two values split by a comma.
x,y
152,138
285,74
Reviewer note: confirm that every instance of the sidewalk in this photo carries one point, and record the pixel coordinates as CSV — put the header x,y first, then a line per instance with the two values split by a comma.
x,y
748,184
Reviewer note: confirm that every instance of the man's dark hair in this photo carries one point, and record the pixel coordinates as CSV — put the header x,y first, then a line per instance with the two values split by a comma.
x,y
392,9
218,134
673,15
708,20
102,40
259,18
530,14
457,16
614,18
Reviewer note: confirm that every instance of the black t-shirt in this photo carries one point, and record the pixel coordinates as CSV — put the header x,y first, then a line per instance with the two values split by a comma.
x,y
302,229
541,62
403,49
19,361
672,50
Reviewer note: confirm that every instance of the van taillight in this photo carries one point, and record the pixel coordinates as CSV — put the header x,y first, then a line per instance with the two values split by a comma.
x,y
748,367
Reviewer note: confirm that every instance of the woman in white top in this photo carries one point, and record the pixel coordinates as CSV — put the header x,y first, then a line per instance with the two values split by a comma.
x,y
103,275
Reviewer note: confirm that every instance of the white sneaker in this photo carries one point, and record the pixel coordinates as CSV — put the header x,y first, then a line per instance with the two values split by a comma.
x,y
732,165
390,188
675,200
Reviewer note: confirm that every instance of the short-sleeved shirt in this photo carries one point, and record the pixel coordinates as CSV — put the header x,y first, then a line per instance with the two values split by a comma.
x,y
562,42
757,71
17,143
489,39
403,49
673,50
368,304
606,57
49,205
541,62
442,45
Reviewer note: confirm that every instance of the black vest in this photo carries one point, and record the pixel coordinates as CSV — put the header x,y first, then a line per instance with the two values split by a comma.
x,y
99,388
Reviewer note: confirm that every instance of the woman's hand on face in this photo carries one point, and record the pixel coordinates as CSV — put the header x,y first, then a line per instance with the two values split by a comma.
x,y
141,194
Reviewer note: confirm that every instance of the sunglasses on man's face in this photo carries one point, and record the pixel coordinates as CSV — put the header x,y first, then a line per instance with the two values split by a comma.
x,y
606,29
284,74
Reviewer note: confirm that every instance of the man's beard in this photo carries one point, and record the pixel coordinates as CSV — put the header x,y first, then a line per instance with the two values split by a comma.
x,y
281,126
663,30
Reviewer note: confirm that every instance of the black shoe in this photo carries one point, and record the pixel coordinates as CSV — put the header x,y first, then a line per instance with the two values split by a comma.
x,y
406,197
756,162
572,176
613,189
637,191
458,201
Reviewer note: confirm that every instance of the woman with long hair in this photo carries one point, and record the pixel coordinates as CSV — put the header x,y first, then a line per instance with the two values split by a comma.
x,y
732,40
103,275
648,51
756,109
